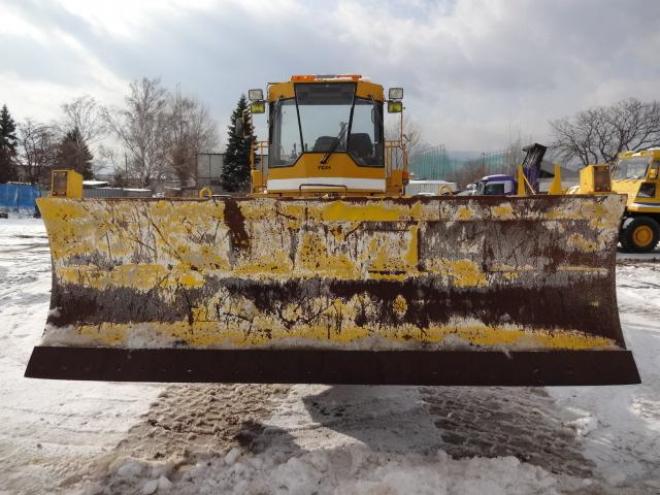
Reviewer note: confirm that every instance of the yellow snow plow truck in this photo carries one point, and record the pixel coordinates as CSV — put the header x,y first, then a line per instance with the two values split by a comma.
x,y
328,273
637,175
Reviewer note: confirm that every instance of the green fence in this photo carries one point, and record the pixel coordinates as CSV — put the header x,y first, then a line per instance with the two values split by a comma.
x,y
439,164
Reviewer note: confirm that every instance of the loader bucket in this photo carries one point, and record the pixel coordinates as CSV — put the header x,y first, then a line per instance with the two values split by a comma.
x,y
446,290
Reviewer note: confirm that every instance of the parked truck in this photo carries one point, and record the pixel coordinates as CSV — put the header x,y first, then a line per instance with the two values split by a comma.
x,y
526,182
636,174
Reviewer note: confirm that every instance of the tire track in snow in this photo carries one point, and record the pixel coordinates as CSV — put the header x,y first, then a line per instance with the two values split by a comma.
x,y
187,425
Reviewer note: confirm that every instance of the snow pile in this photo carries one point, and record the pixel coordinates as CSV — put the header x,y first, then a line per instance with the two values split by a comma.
x,y
356,469
150,477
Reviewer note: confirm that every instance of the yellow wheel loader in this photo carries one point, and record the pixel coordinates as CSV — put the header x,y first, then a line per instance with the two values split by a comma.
x,y
637,175
327,273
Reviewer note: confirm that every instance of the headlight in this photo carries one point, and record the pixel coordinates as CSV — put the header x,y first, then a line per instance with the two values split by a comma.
x,y
396,93
394,107
255,94
257,107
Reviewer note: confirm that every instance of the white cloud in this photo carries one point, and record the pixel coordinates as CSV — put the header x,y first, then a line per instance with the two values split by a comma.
x,y
475,71
14,24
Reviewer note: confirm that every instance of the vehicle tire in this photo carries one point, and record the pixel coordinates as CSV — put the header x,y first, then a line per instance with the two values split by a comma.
x,y
639,234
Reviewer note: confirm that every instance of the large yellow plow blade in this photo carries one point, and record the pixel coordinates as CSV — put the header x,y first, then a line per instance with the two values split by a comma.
x,y
478,290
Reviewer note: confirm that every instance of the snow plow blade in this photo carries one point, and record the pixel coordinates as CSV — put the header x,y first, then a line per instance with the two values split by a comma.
x,y
451,291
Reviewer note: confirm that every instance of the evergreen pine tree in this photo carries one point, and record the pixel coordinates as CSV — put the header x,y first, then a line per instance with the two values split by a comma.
x,y
236,169
73,152
7,146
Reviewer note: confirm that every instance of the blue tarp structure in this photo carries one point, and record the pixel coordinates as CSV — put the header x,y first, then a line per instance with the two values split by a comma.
x,y
19,197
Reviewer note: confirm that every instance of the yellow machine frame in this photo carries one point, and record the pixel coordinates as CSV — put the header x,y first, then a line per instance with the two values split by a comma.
x,y
394,172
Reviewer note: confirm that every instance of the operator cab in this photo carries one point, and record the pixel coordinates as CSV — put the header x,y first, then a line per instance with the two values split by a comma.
x,y
325,134
326,118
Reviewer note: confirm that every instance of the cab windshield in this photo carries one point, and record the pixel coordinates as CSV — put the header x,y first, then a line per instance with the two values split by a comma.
x,y
634,168
326,118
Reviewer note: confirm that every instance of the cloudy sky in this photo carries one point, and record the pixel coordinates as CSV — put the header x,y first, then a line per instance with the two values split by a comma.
x,y
476,72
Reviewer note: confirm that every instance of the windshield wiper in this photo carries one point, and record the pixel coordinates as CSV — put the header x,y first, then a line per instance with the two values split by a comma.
x,y
334,145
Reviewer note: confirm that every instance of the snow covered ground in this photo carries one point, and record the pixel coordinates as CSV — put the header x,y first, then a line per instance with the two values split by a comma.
x,y
51,432
88,438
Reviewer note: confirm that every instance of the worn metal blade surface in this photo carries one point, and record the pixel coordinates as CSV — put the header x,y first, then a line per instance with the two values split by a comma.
x,y
374,274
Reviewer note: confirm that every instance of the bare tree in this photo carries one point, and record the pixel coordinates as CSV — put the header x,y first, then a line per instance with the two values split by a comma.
x,y
599,134
514,154
161,133
412,135
86,115
38,149
470,172
140,127
189,131
105,158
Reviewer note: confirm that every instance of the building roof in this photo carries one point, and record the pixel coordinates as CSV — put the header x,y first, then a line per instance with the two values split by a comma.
x,y
95,183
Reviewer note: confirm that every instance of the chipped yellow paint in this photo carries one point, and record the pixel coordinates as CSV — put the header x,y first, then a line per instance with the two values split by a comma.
x,y
115,229
422,212
169,245
400,306
464,213
191,236
278,263
412,255
579,243
606,213
142,277
294,214
257,210
385,255
603,214
208,258
462,273
510,272
503,211
107,334
504,267
341,211
188,278
313,256
209,334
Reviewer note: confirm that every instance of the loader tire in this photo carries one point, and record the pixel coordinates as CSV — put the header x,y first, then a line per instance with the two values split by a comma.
x,y
639,234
